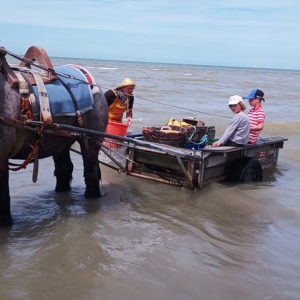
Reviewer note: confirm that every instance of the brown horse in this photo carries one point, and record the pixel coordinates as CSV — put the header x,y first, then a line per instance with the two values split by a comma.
x,y
57,146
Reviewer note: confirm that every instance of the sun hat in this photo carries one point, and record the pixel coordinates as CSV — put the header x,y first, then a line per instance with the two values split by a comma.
x,y
126,82
256,93
235,99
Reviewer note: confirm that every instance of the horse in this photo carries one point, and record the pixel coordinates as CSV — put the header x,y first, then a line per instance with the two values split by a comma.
x,y
55,145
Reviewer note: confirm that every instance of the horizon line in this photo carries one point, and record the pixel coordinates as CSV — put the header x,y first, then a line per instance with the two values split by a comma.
x,y
173,63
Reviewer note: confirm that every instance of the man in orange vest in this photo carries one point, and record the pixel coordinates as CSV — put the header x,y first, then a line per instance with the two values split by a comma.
x,y
120,100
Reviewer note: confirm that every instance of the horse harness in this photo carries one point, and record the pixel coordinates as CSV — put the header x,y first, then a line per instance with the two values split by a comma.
x,y
42,124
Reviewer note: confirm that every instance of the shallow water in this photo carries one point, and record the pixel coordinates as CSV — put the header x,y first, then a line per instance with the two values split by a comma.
x,y
146,240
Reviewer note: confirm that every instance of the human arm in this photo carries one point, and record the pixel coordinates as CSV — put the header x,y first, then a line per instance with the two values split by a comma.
x,y
257,119
257,127
229,132
129,112
110,97
129,117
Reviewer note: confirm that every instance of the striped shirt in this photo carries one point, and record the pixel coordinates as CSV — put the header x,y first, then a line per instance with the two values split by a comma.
x,y
256,116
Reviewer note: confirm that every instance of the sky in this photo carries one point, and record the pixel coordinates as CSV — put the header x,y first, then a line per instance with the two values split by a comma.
x,y
238,33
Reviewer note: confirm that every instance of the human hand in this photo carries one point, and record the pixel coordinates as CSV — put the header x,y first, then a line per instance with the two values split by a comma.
x,y
129,121
217,144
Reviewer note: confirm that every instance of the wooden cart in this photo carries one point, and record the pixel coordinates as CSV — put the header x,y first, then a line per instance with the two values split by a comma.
x,y
194,169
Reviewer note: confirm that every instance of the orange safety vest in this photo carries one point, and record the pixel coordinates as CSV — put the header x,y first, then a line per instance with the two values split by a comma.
x,y
117,109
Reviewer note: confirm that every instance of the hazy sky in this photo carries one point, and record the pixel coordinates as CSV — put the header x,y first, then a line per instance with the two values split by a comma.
x,y
261,33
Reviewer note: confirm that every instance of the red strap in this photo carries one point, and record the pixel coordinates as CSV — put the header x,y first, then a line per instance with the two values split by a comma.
x,y
85,73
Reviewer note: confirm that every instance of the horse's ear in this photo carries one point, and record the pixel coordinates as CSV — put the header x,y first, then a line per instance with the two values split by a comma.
x,y
39,55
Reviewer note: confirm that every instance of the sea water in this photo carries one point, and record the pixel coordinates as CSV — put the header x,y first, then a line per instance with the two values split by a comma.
x,y
147,240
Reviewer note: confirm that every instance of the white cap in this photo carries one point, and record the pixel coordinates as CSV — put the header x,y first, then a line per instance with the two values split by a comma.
x,y
235,99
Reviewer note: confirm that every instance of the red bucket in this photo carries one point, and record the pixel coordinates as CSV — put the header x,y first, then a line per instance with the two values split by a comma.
x,y
115,129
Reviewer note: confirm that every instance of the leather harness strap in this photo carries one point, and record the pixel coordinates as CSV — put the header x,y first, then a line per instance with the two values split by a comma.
x,y
44,99
25,113
28,160
23,86
32,98
77,110
47,129
78,114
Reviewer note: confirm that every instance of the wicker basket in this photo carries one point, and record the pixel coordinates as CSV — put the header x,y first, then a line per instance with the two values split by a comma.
x,y
169,135
177,136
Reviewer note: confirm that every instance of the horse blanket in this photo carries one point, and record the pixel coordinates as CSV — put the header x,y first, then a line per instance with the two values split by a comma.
x,y
61,103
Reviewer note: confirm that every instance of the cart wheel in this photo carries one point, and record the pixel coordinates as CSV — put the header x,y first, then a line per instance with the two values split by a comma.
x,y
246,169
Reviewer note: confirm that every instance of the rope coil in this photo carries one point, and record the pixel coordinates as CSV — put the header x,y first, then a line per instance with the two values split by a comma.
x,y
203,140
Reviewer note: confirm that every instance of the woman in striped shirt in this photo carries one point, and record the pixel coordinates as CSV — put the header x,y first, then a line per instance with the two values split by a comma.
x,y
256,114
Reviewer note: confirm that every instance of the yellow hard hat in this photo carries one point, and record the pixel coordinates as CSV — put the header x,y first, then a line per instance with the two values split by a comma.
x,y
126,82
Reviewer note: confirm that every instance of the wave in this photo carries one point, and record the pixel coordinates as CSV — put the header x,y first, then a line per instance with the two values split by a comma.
x,y
284,126
107,68
288,129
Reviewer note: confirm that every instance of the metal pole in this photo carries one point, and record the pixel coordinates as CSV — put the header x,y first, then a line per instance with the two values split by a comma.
x,y
111,136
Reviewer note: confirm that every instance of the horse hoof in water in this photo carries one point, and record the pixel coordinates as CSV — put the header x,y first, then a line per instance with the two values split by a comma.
x,y
92,193
62,187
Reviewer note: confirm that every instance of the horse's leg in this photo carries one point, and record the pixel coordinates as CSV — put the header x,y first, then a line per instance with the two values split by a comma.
x,y
9,106
5,215
92,173
63,170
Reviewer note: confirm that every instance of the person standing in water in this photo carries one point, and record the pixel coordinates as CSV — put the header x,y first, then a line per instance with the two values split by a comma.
x,y
237,133
121,100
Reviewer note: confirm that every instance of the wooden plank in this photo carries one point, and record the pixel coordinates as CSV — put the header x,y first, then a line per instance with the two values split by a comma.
x,y
171,181
188,176
270,139
273,140
130,162
163,161
214,172
262,152
191,169
215,160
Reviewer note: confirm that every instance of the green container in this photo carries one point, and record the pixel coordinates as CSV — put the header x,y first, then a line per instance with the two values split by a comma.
x,y
212,141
